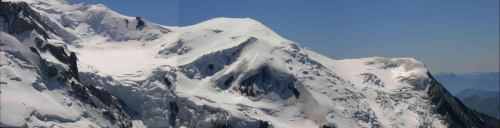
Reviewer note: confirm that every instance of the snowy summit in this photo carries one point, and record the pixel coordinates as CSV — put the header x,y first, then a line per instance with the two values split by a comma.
x,y
82,65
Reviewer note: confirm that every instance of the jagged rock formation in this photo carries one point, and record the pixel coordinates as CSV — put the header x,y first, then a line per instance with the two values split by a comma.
x,y
456,114
18,19
73,66
140,22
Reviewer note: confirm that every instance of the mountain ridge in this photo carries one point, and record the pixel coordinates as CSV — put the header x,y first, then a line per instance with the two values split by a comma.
x,y
259,78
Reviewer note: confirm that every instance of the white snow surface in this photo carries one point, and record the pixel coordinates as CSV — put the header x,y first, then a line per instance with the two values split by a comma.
x,y
29,100
132,63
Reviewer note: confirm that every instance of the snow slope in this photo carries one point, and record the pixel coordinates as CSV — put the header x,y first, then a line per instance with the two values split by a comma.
x,y
30,98
222,72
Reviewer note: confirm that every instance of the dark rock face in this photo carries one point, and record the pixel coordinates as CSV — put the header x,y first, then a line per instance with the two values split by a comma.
x,y
326,126
52,71
295,91
34,50
165,79
73,66
40,44
172,119
265,82
22,18
117,111
372,78
229,81
223,125
59,53
218,60
264,124
107,113
80,91
140,22
217,31
455,113
174,110
174,107
246,86
211,67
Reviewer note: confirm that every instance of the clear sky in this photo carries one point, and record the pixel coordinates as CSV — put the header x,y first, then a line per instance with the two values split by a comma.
x,y
448,36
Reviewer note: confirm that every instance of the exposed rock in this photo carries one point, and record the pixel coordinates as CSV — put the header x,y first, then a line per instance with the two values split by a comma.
x,y
217,31
40,44
34,50
327,126
372,78
174,109
80,91
22,18
295,91
218,60
246,86
211,67
455,113
229,81
165,79
223,125
116,111
73,66
140,22
59,52
52,71
264,124
266,83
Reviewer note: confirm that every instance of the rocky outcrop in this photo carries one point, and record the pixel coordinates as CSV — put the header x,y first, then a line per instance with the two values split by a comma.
x,y
73,66
265,82
264,124
372,78
58,52
455,113
174,110
116,111
20,18
209,64
140,22
165,79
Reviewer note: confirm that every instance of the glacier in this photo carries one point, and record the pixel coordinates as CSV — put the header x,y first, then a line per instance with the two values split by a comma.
x,y
83,65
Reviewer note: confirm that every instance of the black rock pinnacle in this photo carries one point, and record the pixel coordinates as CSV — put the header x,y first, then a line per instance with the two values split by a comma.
x,y
73,66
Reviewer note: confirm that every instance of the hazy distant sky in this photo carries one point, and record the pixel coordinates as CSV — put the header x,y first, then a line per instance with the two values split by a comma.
x,y
448,36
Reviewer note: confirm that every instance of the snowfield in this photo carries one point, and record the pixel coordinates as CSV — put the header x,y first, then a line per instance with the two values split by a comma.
x,y
224,72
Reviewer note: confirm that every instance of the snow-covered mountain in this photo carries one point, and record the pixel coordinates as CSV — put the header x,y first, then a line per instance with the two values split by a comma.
x,y
85,65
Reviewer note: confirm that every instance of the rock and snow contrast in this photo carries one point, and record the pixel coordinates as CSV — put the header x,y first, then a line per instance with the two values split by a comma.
x,y
82,65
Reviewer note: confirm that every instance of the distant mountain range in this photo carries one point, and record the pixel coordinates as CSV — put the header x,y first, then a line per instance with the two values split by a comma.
x,y
456,83
483,101
477,90
480,93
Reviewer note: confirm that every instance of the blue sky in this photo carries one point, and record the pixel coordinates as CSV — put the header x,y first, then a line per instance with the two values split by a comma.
x,y
448,36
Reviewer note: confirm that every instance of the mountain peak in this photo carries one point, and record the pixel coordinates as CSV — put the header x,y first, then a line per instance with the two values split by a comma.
x,y
235,25
224,72
51,2
230,21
